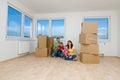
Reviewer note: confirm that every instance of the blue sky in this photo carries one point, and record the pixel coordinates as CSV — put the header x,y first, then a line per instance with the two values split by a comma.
x,y
58,27
14,22
27,22
43,26
102,26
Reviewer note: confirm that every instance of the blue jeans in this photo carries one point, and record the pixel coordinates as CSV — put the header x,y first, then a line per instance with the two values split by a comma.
x,y
70,58
57,53
54,54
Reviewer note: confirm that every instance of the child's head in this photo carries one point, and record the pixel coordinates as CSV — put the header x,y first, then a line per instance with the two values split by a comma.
x,y
66,46
61,44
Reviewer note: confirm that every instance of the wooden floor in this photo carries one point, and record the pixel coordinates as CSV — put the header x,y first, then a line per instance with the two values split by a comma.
x,y
31,68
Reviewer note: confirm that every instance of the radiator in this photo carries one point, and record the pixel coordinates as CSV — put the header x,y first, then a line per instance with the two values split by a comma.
x,y
24,47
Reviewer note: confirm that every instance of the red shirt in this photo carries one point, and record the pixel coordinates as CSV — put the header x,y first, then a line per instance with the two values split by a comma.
x,y
61,47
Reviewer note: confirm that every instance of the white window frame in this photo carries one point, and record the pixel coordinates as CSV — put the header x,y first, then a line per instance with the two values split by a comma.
x,y
109,27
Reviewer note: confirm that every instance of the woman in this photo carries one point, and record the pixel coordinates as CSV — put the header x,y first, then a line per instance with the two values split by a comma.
x,y
71,51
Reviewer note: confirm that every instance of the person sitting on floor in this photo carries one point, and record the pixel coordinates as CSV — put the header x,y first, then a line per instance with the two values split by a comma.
x,y
55,46
60,50
71,51
66,51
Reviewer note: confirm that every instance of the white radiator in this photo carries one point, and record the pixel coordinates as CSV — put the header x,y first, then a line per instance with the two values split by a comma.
x,y
24,47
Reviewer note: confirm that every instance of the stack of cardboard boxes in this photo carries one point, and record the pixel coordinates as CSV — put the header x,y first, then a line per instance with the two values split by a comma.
x,y
89,48
44,46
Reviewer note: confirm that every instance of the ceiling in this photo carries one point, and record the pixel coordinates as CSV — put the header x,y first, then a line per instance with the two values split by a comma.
x,y
55,6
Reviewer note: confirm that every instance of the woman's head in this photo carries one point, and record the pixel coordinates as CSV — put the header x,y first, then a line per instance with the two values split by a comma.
x,y
70,44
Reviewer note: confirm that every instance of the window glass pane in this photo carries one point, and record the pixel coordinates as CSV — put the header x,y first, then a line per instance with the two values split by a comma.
x,y
27,26
58,28
102,26
14,22
43,27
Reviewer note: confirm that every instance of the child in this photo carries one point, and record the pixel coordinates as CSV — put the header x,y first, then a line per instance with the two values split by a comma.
x,y
66,51
61,47
59,50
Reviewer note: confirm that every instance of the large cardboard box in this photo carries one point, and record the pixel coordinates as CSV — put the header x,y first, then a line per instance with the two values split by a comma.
x,y
89,58
50,42
88,38
89,27
42,41
41,52
89,48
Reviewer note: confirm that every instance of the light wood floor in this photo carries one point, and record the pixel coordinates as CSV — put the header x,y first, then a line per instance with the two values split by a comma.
x,y
31,68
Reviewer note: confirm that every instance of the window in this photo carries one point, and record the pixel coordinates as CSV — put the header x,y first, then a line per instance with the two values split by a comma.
x,y
52,27
14,22
58,28
18,24
103,25
27,26
43,27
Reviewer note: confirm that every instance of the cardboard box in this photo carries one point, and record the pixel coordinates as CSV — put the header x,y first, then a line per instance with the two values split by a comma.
x,y
41,52
89,58
42,41
88,38
50,42
89,48
89,27
50,51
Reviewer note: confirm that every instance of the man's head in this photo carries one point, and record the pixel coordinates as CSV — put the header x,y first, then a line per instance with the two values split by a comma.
x,y
58,39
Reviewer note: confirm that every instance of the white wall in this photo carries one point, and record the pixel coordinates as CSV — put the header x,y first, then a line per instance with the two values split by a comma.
x,y
119,33
73,28
8,48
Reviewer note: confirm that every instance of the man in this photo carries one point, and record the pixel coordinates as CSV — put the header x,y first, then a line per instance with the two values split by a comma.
x,y
56,44
55,47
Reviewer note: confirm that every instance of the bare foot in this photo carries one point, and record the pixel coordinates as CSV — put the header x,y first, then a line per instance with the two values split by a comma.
x,y
75,59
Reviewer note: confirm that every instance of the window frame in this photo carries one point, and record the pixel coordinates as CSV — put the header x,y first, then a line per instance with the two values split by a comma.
x,y
22,24
109,27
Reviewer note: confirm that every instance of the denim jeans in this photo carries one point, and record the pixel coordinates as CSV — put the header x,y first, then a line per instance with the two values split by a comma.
x,y
57,53
54,54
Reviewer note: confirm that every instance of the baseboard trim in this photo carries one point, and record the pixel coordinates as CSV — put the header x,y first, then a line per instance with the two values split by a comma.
x,y
22,55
